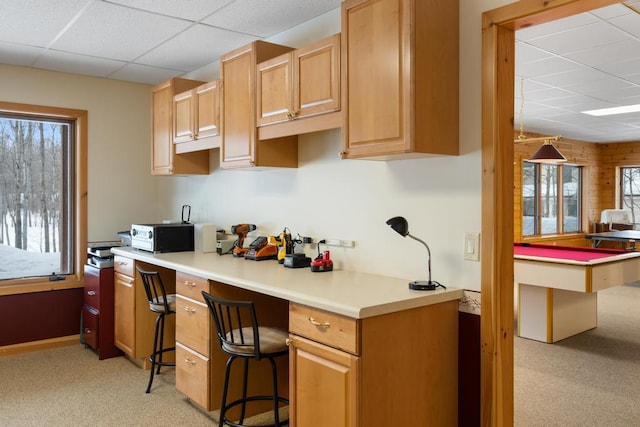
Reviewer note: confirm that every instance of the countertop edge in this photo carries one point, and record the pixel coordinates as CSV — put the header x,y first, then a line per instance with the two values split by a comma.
x,y
410,299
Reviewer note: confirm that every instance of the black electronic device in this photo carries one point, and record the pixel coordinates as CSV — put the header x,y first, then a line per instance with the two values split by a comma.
x,y
259,242
299,260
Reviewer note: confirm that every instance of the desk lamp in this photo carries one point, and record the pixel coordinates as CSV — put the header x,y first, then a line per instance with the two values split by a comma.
x,y
400,225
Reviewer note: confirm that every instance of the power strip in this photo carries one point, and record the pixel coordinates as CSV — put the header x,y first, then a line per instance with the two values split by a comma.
x,y
338,242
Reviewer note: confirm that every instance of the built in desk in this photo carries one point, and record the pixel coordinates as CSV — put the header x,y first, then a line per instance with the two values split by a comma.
x,y
364,349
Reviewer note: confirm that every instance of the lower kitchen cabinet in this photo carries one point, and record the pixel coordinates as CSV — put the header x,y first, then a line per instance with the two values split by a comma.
x,y
134,322
349,372
322,378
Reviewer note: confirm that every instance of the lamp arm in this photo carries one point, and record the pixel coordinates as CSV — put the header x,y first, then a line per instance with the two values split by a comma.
x,y
428,253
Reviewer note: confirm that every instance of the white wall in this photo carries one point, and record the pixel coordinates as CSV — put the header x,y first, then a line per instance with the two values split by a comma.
x,y
119,157
352,199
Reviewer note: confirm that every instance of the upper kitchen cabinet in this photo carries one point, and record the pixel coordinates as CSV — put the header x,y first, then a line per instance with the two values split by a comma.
x,y
241,147
400,78
303,84
196,118
165,160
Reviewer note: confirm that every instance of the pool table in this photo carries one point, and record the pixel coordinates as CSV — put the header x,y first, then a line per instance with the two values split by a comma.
x,y
556,287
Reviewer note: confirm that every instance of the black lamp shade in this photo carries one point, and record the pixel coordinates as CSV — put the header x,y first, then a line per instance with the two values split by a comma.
x,y
547,153
399,224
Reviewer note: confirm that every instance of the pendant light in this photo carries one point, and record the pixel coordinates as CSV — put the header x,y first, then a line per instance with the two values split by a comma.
x,y
547,153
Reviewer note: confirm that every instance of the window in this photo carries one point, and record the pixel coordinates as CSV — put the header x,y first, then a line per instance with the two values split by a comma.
x,y
42,205
551,199
630,191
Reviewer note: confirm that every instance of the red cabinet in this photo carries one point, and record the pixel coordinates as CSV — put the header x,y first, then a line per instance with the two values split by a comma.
x,y
97,311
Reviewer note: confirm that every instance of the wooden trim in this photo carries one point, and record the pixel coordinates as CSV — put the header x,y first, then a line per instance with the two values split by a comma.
x,y
23,286
28,347
80,191
498,55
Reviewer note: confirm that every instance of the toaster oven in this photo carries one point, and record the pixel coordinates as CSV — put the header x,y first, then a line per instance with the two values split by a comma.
x,y
158,238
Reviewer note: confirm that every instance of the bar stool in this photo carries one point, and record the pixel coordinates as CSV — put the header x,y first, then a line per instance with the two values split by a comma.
x,y
164,305
240,336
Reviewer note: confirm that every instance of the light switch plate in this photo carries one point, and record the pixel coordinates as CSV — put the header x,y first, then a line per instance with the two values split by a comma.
x,y
472,246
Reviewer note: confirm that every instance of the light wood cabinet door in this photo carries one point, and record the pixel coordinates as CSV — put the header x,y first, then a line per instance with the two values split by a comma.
x,y
323,385
164,159
240,146
400,78
184,111
125,313
316,70
208,110
274,89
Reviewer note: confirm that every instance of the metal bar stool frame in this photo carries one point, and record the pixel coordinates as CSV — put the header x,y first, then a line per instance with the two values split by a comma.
x,y
164,305
240,340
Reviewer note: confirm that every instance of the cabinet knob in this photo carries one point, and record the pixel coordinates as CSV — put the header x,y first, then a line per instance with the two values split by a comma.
x,y
87,331
189,284
314,322
190,310
91,293
287,342
189,361
342,154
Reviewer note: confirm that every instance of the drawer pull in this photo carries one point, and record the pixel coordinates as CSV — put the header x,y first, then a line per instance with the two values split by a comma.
x,y
287,342
87,331
91,293
314,322
189,361
122,263
189,284
190,310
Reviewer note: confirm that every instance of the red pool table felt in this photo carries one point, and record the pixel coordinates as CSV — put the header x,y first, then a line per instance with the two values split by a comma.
x,y
563,252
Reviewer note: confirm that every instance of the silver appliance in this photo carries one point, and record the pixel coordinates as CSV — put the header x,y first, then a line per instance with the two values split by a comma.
x,y
158,238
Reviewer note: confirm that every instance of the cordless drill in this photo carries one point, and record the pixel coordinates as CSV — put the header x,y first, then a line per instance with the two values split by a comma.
x,y
241,230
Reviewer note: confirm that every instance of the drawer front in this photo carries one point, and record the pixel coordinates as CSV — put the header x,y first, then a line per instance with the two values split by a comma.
x,y
90,326
325,327
193,325
91,287
123,265
192,376
191,286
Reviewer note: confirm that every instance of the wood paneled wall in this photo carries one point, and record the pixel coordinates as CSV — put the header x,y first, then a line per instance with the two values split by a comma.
x,y
599,187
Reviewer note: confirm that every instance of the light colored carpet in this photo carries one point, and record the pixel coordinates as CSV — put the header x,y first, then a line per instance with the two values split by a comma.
x,y
69,386
591,379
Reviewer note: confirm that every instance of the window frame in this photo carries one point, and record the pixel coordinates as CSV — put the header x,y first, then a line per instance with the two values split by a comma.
x,y
560,217
79,203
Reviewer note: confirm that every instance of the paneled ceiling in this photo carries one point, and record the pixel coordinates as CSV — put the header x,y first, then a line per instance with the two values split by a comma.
x,y
145,41
584,62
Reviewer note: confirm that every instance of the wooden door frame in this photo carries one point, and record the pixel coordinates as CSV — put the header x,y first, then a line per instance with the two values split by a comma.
x,y
497,320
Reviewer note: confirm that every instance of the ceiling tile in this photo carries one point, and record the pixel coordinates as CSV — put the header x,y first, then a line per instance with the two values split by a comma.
x,y
185,52
582,38
606,54
193,10
115,32
252,17
77,64
19,55
612,11
143,74
36,22
629,23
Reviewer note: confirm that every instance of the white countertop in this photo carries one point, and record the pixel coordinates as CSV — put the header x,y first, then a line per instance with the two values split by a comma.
x,y
352,294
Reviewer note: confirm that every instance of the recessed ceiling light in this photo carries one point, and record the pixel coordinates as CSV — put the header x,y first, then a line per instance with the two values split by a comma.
x,y
614,110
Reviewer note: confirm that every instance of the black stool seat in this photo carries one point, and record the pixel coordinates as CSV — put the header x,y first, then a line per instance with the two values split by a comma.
x,y
164,305
241,337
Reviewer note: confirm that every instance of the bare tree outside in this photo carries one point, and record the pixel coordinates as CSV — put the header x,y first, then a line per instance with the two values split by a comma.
x,y
630,190
31,161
